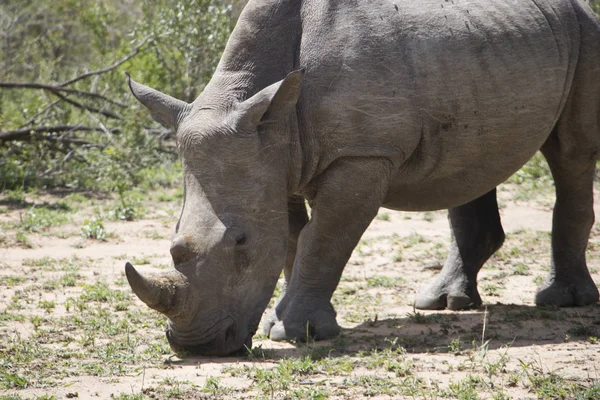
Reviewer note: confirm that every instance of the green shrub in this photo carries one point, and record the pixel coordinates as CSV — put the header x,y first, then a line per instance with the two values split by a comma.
x,y
56,41
93,229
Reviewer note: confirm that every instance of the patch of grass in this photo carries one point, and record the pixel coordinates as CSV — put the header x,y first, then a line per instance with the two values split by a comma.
x,y
466,389
5,316
14,198
51,285
383,216
391,359
121,306
141,260
76,198
490,289
455,346
586,393
372,385
38,219
214,387
417,317
12,381
128,208
259,352
533,178
93,229
101,292
337,365
521,269
69,279
288,374
413,239
123,212
165,197
23,239
428,216
154,235
47,305
546,385
10,280
39,262
126,396
583,330
384,281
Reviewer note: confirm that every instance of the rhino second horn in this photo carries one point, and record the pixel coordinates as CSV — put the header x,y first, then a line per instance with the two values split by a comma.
x,y
160,291
166,110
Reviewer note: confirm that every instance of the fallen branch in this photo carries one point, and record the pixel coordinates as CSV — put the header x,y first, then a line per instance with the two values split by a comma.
x,y
84,107
25,134
57,89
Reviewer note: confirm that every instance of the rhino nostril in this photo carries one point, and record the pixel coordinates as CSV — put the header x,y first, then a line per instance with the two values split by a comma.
x,y
180,252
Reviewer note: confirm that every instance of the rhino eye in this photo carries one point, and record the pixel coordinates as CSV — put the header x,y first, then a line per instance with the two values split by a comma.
x,y
237,235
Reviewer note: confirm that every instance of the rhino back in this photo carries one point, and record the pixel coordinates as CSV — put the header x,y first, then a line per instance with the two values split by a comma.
x,y
451,92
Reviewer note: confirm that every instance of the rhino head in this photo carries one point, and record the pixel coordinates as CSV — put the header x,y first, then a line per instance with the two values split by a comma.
x,y
229,244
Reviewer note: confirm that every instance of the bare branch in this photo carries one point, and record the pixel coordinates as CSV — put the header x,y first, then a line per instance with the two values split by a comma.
x,y
25,134
32,119
136,50
57,89
108,114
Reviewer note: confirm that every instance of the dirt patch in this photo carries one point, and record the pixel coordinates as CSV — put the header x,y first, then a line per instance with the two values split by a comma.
x,y
70,327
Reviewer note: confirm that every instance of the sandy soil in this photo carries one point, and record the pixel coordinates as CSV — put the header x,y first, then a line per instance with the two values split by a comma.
x,y
398,254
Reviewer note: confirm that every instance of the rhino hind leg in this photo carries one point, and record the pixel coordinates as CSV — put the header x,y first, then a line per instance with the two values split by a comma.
x,y
476,234
569,282
571,151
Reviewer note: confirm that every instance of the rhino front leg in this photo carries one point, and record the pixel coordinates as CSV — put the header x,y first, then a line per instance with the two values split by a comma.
x,y
569,282
297,218
476,234
348,197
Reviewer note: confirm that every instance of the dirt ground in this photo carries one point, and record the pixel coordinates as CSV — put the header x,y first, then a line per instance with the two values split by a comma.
x,y
70,327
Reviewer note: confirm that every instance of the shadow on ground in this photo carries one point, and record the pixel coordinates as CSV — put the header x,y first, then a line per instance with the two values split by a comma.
x,y
428,332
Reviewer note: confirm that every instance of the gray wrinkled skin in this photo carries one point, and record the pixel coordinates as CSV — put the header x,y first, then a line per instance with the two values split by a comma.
x,y
354,105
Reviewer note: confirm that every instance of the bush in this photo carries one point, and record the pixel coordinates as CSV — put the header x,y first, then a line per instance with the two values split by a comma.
x,y
175,47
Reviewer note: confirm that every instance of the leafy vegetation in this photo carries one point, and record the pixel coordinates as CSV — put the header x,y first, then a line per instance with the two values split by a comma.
x,y
66,116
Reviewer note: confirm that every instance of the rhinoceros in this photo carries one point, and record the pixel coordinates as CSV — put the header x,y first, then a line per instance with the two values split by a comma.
x,y
355,105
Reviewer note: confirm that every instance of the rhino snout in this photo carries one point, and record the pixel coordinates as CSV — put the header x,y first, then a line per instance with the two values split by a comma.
x,y
229,338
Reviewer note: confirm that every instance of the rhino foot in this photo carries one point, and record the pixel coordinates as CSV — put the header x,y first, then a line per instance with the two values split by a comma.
x,y
455,295
559,293
297,323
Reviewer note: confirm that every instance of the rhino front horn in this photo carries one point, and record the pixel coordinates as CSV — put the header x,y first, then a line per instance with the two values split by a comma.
x,y
160,292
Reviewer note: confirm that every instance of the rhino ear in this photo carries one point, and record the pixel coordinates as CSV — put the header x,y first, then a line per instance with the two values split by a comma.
x,y
165,110
274,101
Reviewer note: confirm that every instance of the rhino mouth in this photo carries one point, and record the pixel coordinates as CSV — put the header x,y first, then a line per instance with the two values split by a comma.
x,y
224,338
